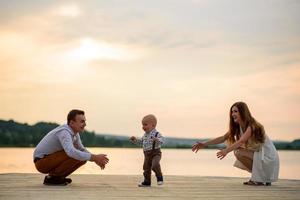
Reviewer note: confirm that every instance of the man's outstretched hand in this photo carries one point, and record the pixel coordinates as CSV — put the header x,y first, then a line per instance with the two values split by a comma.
x,y
100,159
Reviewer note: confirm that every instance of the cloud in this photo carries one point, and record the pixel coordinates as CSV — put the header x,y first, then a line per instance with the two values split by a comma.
x,y
69,10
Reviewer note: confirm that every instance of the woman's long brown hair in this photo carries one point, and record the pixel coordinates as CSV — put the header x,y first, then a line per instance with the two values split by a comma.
x,y
258,132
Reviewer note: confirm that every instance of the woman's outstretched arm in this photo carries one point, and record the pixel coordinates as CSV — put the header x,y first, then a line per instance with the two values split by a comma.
x,y
201,145
222,153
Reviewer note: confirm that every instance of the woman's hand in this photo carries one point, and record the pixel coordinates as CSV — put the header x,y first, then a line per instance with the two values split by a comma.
x,y
197,146
222,153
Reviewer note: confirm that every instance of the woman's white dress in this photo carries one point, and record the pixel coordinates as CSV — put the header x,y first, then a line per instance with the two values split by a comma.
x,y
265,167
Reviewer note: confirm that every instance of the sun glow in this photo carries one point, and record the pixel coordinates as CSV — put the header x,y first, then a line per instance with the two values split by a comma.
x,y
90,49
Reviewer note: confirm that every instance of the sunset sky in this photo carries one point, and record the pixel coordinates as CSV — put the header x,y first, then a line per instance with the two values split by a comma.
x,y
186,61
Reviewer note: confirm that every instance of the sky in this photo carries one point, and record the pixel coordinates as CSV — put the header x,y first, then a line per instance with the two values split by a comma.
x,y
185,61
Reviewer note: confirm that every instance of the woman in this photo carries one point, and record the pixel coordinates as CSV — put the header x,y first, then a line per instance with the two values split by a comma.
x,y
254,151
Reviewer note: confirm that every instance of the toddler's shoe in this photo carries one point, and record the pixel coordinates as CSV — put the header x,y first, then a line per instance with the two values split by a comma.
x,y
160,180
145,184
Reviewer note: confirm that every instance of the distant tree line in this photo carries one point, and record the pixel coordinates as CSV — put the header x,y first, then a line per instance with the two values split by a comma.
x,y
14,134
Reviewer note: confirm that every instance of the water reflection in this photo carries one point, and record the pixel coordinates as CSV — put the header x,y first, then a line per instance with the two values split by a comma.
x,y
174,162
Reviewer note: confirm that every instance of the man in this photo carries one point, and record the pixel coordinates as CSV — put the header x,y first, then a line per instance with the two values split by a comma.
x,y
61,152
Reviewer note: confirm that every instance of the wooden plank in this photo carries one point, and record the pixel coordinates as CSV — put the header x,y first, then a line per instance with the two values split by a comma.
x,y
29,186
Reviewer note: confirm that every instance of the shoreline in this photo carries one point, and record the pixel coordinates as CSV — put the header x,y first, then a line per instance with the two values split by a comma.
x,y
115,147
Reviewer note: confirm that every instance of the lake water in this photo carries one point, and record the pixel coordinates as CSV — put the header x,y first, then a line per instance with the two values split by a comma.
x,y
174,162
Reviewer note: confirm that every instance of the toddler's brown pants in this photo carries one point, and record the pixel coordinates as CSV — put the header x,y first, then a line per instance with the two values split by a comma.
x,y
151,162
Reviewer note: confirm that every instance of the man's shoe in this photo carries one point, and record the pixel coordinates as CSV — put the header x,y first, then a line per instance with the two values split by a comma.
x,y
68,180
160,180
144,184
59,181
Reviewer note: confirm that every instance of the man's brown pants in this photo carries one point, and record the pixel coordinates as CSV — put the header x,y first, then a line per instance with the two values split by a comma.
x,y
151,162
58,164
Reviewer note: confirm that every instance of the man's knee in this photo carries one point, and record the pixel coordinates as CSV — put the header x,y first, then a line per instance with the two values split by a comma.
x,y
42,170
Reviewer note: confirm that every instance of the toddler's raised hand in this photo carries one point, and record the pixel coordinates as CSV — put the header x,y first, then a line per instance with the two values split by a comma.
x,y
132,139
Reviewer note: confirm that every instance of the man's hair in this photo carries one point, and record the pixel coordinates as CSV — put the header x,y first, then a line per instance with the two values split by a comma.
x,y
72,114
